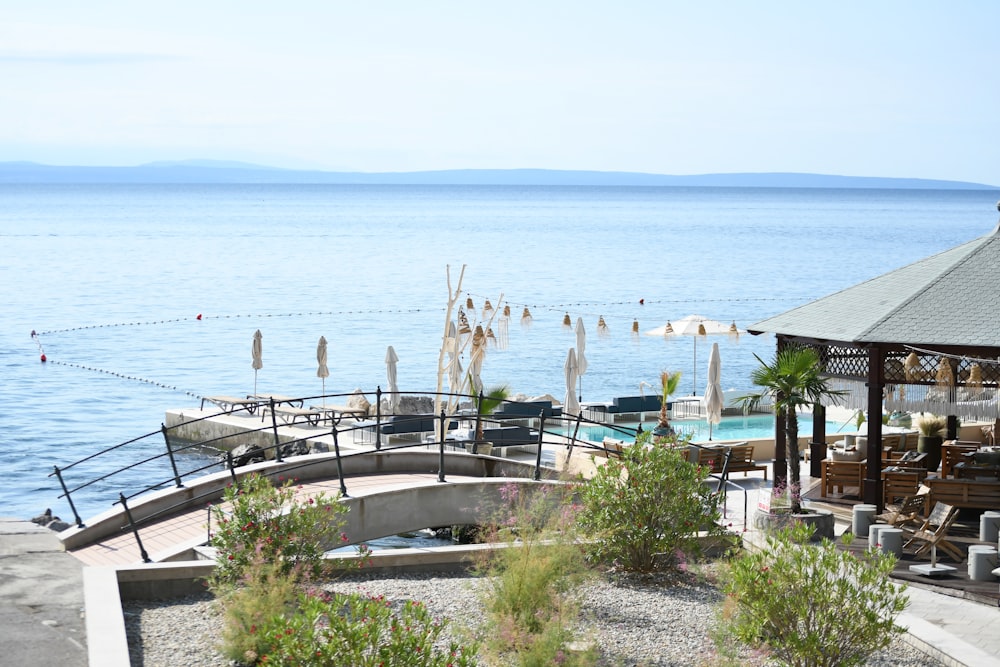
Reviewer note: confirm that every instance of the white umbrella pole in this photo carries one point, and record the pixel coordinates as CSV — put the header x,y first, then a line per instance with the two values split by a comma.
x,y
694,368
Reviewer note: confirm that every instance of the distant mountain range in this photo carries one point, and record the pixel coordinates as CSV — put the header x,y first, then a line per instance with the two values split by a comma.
x,y
210,171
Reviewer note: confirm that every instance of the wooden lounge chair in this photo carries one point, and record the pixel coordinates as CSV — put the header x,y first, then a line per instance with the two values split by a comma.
x,y
909,512
933,532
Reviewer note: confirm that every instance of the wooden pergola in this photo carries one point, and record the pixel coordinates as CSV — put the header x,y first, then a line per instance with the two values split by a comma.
x,y
891,342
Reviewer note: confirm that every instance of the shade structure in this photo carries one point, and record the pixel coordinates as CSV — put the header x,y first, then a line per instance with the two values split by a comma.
x,y
258,356
713,389
391,358
581,359
696,326
571,406
322,371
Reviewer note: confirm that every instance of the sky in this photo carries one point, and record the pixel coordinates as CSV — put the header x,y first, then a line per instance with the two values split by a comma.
x,y
893,88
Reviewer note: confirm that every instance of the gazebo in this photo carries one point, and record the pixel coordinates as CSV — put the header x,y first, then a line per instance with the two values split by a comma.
x,y
925,337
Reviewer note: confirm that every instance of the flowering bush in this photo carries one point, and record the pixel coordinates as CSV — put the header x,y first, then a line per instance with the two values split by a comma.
x,y
354,630
645,510
265,523
811,605
530,592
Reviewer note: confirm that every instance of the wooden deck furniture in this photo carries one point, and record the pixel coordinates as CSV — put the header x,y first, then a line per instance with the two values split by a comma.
x,y
933,532
840,475
964,492
900,483
952,453
740,459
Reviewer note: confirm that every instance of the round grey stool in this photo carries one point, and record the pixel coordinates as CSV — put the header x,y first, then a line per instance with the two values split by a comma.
x,y
891,541
982,561
873,531
989,526
862,516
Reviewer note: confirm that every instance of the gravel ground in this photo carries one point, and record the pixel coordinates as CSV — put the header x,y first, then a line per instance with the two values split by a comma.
x,y
635,622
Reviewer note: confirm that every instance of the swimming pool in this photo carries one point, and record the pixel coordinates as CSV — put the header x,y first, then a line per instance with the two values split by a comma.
x,y
750,427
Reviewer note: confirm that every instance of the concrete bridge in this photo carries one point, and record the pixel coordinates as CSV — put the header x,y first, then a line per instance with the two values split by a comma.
x,y
387,492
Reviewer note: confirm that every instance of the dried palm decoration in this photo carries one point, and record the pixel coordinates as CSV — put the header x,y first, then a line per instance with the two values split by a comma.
x,y
635,327
667,330
911,365
487,310
567,323
701,329
506,310
491,339
469,304
526,317
734,333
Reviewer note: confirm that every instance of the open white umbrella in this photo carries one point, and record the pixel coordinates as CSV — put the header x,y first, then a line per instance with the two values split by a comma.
x,y
258,357
322,371
581,359
390,375
696,326
713,391
571,406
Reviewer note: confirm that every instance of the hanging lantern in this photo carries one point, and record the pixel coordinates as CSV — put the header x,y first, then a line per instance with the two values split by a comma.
x,y
667,330
491,339
944,377
567,323
469,304
526,317
701,329
734,333
487,310
635,327
975,377
506,310
911,365
602,328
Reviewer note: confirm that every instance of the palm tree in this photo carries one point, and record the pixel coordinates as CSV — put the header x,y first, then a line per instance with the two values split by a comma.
x,y
792,381
669,382
488,401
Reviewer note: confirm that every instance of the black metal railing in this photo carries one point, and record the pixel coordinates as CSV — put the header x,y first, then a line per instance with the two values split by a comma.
x,y
553,429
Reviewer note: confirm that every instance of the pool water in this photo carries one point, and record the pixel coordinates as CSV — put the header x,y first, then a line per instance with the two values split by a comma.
x,y
750,427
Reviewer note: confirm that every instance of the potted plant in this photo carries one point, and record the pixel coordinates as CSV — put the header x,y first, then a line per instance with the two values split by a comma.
x,y
792,381
486,402
929,440
669,382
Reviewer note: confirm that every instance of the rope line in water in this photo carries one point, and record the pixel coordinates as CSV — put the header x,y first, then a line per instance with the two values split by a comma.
x,y
555,308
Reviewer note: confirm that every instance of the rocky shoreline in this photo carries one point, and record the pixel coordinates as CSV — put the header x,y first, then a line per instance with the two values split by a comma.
x,y
636,621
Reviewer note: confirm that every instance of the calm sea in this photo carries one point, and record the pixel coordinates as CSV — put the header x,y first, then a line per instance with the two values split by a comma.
x,y
113,279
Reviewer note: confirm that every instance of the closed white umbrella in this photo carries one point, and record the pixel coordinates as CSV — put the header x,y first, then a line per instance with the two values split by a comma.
x,y
258,357
696,326
390,375
571,406
713,391
322,371
581,359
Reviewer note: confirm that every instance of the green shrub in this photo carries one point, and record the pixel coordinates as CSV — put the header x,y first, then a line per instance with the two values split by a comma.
x,y
644,511
354,630
266,524
812,605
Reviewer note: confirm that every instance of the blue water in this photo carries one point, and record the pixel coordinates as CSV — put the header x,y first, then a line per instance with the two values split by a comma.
x,y
749,427
114,277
